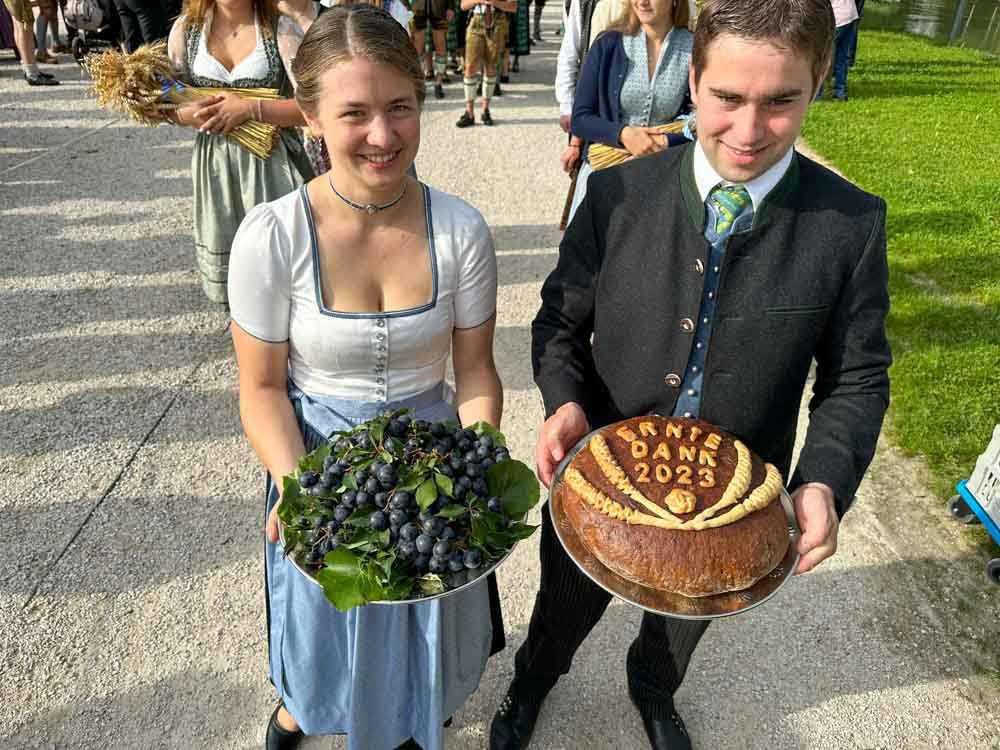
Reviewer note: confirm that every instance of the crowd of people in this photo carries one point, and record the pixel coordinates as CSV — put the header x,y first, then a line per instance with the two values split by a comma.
x,y
350,284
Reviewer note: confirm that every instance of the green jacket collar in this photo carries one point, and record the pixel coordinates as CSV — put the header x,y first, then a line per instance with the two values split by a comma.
x,y
696,208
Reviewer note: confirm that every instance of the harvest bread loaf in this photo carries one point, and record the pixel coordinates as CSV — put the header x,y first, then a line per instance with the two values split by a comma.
x,y
677,505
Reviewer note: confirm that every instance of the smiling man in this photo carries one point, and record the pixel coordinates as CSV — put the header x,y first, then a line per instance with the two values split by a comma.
x,y
703,282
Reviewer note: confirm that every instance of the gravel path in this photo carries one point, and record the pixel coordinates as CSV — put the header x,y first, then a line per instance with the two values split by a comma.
x,y
132,613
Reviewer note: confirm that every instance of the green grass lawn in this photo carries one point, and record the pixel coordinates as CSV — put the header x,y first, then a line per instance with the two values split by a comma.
x,y
922,130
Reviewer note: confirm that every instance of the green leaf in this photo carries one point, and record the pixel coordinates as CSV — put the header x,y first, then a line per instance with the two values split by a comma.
x,y
314,461
410,479
485,428
341,579
386,457
444,484
430,584
290,489
426,494
377,430
358,518
350,483
393,445
516,486
452,511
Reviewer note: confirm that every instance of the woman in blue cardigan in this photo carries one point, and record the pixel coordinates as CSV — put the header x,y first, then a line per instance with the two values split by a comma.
x,y
635,76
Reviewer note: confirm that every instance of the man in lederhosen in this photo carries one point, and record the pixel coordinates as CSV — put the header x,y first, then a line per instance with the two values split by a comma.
x,y
486,32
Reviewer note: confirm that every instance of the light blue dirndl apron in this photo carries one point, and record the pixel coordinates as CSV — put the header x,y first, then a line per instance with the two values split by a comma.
x,y
379,673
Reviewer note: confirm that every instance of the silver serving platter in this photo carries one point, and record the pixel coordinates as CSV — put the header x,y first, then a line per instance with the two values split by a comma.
x,y
472,581
665,602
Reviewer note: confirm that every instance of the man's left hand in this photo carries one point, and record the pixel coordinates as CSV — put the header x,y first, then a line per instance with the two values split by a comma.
x,y
817,517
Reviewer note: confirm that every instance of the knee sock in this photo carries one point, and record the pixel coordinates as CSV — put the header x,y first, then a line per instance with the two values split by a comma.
x,y
471,86
41,32
440,65
489,86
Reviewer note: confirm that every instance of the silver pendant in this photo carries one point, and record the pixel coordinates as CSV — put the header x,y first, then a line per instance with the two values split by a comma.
x,y
370,209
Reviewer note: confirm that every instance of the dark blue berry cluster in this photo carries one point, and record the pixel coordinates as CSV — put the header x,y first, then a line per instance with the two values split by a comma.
x,y
410,493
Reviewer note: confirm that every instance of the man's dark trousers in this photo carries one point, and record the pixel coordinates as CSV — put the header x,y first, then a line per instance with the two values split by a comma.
x,y
143,21
567,607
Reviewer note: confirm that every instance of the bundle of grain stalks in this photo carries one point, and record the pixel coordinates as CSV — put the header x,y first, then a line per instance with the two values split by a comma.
x,y
144,86
602,157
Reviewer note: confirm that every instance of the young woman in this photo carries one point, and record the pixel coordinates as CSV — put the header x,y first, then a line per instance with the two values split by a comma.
x,y
635,75
347,297
235,44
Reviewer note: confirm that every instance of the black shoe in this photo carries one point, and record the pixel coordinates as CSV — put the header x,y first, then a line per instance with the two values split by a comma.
x,y
497,91
486,117
514,722
465,120
279,738
429,76
668,733
43,74
515,67
40,80
504,79
438,91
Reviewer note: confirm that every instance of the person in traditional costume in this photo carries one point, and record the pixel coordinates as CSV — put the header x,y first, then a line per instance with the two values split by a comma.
x,y
707,281
433,15
347,297
232,45
634,77
485,35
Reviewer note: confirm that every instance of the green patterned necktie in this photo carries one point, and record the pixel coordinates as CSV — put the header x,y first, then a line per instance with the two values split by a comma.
x,y
731,202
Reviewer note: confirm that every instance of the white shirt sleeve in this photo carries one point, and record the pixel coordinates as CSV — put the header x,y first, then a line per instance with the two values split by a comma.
x,y
566,64
476,294
260,277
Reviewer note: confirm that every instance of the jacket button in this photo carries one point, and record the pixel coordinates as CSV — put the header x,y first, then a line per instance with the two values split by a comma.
x,y
699,266
673,380
687,325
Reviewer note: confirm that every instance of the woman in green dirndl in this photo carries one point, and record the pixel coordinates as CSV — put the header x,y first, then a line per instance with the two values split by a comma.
x,y
239,44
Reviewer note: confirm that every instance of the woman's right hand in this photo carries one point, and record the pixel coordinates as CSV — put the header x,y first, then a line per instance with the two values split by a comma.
x,y
272,523
642,141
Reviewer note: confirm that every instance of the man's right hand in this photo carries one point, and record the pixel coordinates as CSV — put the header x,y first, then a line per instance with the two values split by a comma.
x,y
559,434
570,158
642,141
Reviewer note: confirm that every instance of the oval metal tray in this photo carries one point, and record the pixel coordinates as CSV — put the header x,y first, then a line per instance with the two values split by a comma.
x,y
665,602
480,574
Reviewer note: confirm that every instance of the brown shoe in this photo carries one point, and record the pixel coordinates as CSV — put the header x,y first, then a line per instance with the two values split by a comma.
x,y
44,57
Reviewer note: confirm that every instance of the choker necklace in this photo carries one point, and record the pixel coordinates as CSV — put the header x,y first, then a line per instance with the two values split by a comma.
x,y
369,208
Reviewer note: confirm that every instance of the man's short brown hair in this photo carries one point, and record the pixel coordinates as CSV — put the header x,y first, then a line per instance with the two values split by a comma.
x,y
805,26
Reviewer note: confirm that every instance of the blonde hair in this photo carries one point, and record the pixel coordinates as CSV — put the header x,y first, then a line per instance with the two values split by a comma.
x,y
348,31
628,22
194,12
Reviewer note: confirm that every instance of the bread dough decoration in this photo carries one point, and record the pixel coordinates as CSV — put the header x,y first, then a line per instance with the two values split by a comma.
x,y
672,477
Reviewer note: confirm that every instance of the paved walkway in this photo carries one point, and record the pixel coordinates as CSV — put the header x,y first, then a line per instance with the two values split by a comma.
x,y
131,610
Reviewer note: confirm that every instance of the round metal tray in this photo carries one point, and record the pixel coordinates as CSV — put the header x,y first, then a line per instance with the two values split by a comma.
x,y
472,581
664,602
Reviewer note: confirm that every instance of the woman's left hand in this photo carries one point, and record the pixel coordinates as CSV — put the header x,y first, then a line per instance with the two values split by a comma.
x,y
226,115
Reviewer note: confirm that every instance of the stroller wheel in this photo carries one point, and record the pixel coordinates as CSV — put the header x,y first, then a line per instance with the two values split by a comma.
x,y
79,50
960,511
